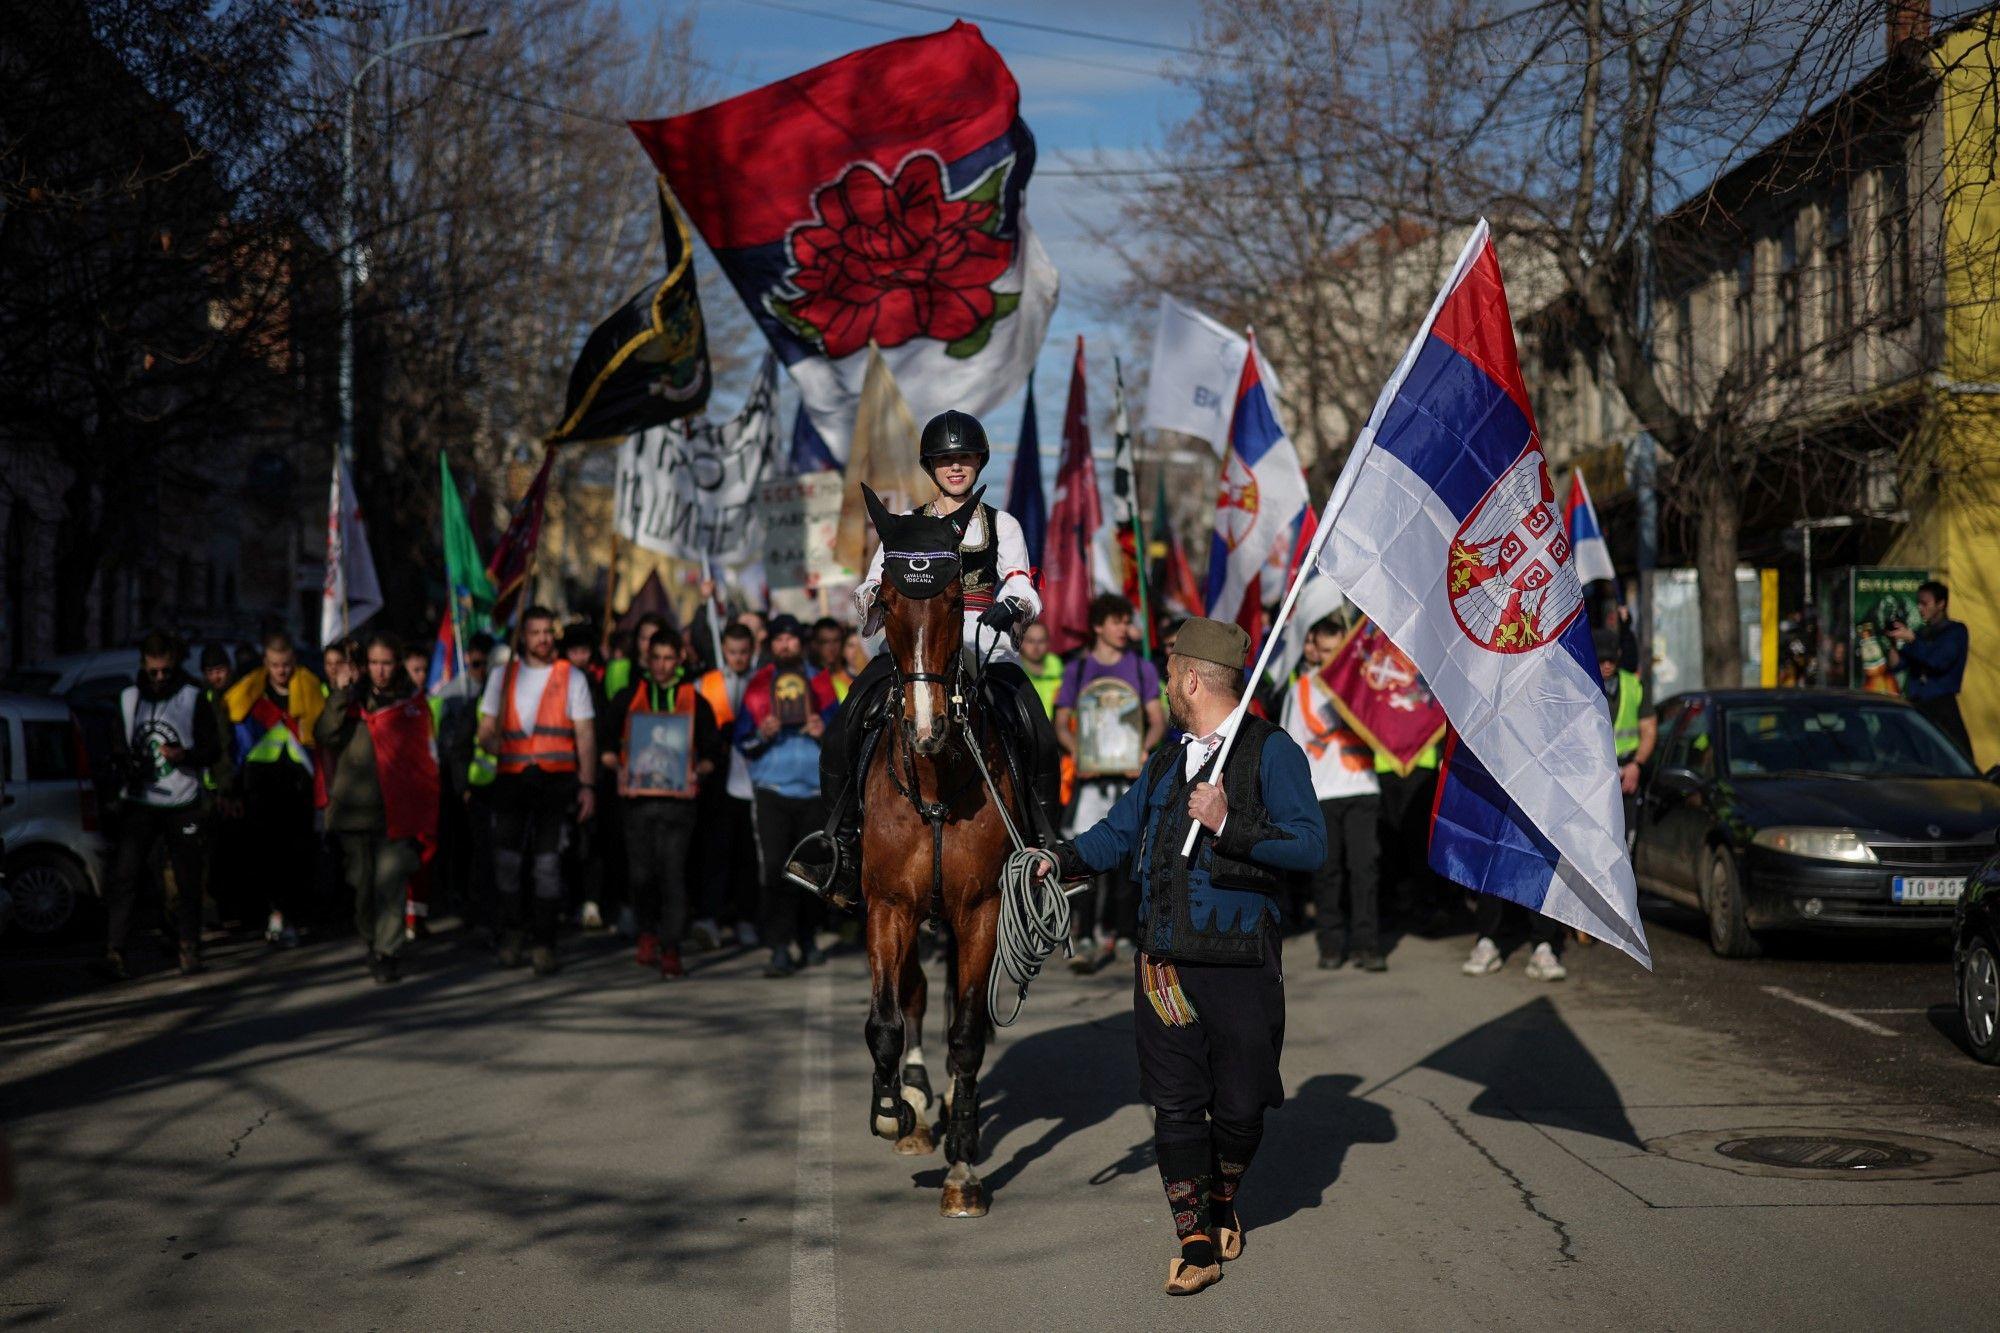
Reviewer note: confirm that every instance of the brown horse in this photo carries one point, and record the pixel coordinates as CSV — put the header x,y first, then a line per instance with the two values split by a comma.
x,y
932,846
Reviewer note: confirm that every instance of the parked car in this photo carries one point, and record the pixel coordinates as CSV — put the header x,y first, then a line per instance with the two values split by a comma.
x,y
48,814
1975,958
1809,810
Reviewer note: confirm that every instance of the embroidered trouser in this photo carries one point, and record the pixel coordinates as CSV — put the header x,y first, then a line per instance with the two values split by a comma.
x,y
1209,1037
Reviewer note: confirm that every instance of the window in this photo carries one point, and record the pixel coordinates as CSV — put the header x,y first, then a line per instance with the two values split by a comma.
x,y
1684,344
1898,291
1863,741
50,749
1789,337
1839,257
1745,310
1688,743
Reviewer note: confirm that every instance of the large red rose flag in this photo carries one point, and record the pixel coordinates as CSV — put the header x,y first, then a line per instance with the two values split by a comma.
x,y
880,198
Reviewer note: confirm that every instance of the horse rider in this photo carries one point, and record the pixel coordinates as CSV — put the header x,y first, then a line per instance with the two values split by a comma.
x,y
1000,600
1209,1004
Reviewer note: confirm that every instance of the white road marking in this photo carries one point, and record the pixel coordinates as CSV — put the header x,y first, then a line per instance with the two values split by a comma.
x,y
1846,1016
815,1292
1924,1010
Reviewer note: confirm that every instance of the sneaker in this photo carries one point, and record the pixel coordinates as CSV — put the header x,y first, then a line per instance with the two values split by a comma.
x,y
590,918
815,956
1485,959
746,935
112,966
1370,960
191,963
543,960
274,929
649,950
705,935
670,965
781,964
1331,962
1084,960
386,971
1543,965
510,949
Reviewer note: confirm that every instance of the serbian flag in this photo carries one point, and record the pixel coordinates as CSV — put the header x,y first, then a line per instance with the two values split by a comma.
x,y
1383,697
1586,536
1262,511
1444,531
880,198
406,765
1069,554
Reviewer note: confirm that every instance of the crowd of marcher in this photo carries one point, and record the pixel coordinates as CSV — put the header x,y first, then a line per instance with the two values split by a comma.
x,y
265,792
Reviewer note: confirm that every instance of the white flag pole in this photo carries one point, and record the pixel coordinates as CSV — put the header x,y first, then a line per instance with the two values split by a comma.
x,y
1235,722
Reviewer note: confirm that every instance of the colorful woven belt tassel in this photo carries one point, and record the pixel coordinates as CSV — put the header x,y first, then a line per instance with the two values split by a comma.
x,y
1163,989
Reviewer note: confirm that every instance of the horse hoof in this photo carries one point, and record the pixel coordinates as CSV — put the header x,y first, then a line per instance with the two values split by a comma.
x,y
917,1143
964,1194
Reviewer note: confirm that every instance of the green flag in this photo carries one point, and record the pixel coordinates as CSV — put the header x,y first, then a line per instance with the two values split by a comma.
x,y
464,567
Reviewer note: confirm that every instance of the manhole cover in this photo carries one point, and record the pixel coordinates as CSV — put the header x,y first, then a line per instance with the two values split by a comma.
x,y
1821,1152
1794,1152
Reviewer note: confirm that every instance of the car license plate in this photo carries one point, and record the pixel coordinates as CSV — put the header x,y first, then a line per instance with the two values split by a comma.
x,y
1926,889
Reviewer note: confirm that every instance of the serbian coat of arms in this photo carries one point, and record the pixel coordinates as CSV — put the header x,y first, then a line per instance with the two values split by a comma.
x,y
1512,581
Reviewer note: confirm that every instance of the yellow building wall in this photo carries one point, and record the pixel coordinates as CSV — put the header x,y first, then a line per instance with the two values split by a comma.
x,y
1955,519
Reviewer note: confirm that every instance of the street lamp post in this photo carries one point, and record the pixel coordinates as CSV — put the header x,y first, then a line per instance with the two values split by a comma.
x,y
347,223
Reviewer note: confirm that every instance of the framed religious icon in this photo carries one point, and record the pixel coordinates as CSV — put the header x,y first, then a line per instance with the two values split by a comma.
x,y
659,754
791,698
1110,729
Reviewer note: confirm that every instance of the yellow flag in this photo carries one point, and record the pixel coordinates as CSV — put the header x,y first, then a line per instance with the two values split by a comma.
x,y
884,455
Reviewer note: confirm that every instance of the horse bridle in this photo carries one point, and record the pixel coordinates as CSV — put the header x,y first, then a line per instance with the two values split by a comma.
x,y
953,678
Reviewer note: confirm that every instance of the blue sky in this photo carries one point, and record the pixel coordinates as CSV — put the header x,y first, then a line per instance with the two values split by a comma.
x,y
1079,96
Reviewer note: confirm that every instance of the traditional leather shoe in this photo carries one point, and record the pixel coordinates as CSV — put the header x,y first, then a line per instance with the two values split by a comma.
x,y
1184,1279
1229,1243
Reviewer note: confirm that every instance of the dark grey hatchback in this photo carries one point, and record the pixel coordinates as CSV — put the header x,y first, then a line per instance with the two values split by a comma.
x,y
1809,810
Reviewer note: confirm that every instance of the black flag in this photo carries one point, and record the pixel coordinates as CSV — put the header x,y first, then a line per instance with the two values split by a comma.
x,y
647,365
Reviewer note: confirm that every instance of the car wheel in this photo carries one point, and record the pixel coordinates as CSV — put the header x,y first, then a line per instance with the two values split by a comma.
x,y
1979,998
1722,900
47,888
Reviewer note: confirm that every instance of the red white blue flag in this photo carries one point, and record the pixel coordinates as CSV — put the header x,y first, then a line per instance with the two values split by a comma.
x,y
1445,532
1263,515
1586,535
880,198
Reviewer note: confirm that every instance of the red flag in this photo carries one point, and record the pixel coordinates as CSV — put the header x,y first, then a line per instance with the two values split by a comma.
x,y
1378,689
406,765
1073,524
514,557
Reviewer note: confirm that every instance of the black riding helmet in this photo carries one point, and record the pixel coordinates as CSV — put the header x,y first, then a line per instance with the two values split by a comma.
x,y
950,433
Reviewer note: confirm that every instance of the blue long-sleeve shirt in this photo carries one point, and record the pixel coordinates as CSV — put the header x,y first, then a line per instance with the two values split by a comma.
x,y
1279,828
1935,660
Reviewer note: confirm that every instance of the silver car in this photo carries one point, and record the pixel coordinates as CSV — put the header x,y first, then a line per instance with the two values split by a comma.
x,y
48,814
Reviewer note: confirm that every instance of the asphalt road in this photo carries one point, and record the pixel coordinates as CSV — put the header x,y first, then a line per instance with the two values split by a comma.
x,y
280,1144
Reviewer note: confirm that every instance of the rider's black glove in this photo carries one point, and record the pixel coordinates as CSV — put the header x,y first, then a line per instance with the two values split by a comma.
x,y
1000,616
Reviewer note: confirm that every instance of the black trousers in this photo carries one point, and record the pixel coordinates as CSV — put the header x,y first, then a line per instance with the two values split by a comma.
x,y
1507,923
1944,712
731,887
659,845
479,906
789,911
141,828
1221,1069
531,816
1347,883
1406,872
281,849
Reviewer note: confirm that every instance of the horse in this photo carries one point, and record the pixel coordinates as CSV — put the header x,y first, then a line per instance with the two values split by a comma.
x,y
921,781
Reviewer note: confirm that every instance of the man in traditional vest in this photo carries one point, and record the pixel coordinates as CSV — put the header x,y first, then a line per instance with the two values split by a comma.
x,y
169,736
1209,1005
376,735
272,710
659,829
536,718
1000,598
731,888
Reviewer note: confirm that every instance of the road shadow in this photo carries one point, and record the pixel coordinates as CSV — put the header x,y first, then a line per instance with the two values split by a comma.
x,y
1530,1066
1306,1142
1074,1078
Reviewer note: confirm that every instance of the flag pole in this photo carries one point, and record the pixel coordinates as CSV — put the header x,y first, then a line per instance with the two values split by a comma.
x,y
1235,722
1138,521
610,592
